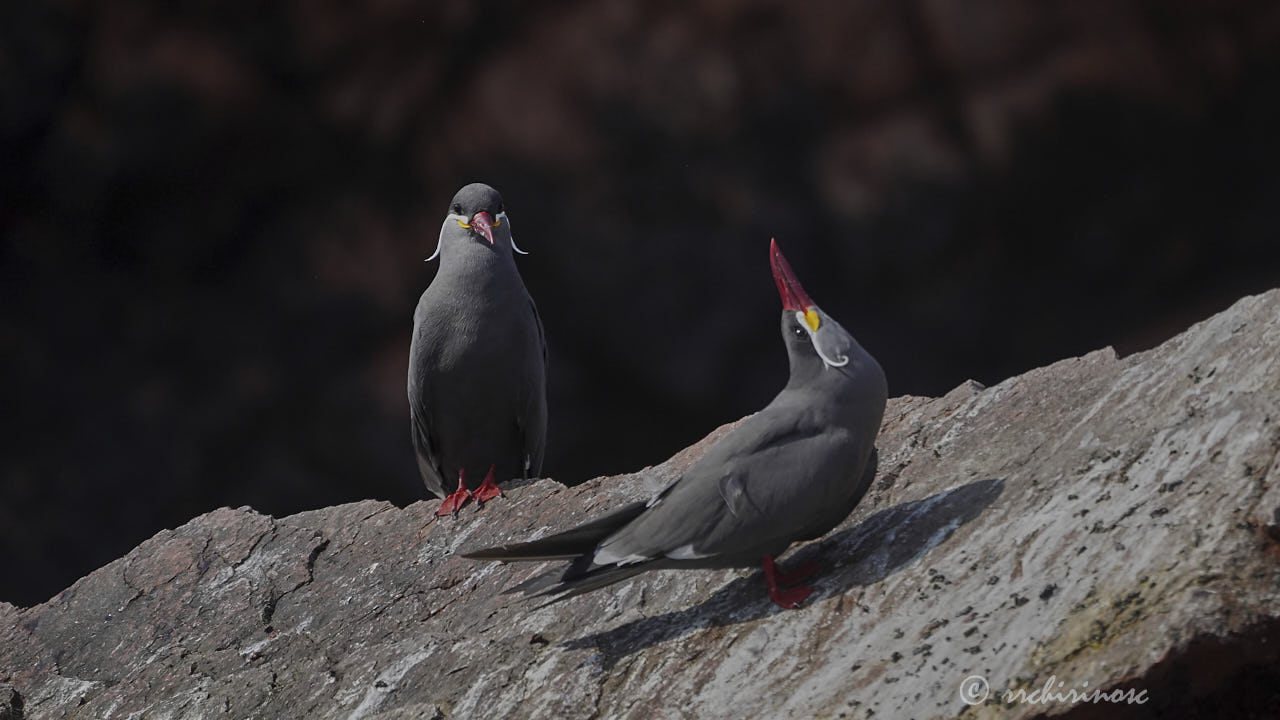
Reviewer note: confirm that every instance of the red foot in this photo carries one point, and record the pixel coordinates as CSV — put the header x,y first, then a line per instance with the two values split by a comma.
x,y
460,497
792,598
488,489
795,577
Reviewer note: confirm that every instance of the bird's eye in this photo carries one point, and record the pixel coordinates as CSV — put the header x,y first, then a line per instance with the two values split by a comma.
x,y
799,331
457,208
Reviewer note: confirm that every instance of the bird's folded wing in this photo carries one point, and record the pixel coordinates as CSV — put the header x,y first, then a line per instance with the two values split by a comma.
x,y
533,429
736,497
425,450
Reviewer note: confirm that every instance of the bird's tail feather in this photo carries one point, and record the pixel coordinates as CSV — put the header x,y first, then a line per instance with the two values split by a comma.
x,y
567,545
593,580
577,545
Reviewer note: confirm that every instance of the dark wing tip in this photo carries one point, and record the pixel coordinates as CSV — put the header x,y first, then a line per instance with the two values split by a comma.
x,y
501,552
519,552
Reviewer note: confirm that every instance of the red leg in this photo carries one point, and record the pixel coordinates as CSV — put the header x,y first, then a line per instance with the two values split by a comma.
x,y
454,502
789,599
488,490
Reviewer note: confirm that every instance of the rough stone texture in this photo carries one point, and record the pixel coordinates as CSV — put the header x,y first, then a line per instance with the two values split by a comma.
x,y
10,703
1104,520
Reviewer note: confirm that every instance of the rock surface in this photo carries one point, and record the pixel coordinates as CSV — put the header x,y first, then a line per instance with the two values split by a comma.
x,y
1101,520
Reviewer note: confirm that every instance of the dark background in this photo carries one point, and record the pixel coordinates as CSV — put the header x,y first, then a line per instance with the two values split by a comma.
x,y
214,217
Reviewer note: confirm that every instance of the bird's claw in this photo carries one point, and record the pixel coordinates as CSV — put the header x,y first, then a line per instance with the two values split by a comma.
x,y
797,576
454,503
790,599
488,490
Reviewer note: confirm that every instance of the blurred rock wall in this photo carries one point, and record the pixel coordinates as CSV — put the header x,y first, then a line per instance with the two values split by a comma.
x,y
214,216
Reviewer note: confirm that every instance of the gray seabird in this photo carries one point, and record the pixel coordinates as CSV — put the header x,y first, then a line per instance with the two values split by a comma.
x,y
791,472
478,362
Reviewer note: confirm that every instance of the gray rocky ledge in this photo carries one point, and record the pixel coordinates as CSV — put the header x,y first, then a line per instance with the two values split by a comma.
x,y
1101,520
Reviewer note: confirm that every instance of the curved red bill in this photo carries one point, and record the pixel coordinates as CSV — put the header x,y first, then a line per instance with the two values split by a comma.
x,y
793,296
482,223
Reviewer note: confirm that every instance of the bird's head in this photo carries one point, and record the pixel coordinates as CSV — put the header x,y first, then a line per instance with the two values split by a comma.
x,y
807,330
477,208
476,214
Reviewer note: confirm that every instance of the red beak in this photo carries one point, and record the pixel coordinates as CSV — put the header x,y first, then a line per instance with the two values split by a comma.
x,y
793,296
480,222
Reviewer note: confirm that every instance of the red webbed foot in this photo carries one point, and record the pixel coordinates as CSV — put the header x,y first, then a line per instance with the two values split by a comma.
x,y
797,576
489,489
789,599
458,499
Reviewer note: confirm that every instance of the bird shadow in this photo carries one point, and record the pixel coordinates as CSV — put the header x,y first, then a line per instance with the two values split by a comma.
x,y
861,555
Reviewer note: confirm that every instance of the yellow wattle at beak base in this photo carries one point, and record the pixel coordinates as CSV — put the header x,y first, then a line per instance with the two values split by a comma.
x,y
465,224
811,319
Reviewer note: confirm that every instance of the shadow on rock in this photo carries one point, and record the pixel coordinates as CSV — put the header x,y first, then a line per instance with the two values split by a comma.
x,y
861,555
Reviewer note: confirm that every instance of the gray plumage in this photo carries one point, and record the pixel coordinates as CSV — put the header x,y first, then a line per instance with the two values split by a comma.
x,y
477,363
791,472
